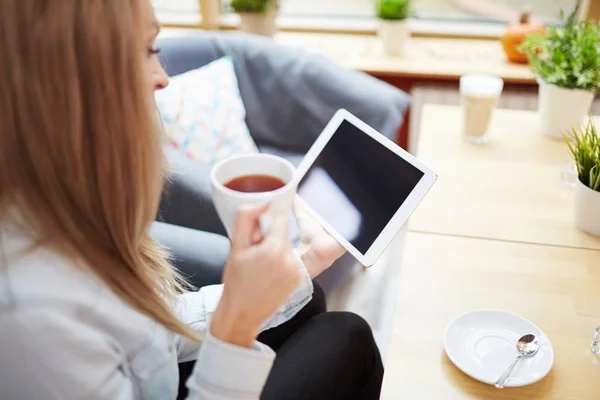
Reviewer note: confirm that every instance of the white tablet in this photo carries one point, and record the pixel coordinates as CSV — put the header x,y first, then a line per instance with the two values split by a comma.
x,y
361,186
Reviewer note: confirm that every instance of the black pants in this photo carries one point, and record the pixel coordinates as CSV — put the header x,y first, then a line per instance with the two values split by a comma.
x,y
320,356
330,356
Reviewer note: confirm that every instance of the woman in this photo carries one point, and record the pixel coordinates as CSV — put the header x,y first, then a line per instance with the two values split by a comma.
x,y
89,305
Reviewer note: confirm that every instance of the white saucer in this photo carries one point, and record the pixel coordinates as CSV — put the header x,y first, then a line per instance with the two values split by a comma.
x,y
482,344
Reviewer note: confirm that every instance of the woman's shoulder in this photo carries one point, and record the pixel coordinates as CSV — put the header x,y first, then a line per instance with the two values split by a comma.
x,y
38,278
32,273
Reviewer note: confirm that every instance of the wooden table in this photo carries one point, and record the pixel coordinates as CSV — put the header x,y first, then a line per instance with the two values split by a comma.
x,y
509,189
425,59
495,232
556,288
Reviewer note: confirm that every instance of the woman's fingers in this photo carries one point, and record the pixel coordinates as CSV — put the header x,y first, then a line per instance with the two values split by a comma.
x,y
278,234
248,233
258,277
257,236
247,222
298,208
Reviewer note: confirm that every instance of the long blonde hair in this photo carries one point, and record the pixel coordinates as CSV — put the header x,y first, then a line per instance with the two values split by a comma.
x,y
80,153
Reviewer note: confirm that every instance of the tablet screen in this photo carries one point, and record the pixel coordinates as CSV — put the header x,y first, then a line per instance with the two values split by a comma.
x,y
357,185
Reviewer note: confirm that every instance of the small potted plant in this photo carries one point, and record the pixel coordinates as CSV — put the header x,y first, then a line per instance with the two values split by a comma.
x,y
567,64
257,16
393,28
584,143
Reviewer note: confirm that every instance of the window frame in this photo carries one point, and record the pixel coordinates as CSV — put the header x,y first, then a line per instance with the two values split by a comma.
x,y
211,18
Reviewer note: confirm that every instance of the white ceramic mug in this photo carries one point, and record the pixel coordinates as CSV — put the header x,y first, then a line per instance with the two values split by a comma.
x,y
227,201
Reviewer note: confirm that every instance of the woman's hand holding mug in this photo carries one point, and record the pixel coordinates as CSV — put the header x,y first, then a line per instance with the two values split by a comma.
x,y
262,270
258,277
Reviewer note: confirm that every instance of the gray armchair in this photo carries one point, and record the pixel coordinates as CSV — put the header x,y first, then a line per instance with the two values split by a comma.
x,y
289,96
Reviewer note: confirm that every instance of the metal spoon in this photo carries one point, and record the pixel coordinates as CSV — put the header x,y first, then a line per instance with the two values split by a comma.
x,y
527,346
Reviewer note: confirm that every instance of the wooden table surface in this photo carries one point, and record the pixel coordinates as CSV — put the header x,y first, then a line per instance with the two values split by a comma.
x,y
557,288
495,232
426,58
509,189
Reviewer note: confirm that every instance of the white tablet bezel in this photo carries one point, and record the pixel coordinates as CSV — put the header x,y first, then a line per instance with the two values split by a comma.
x,y
400,217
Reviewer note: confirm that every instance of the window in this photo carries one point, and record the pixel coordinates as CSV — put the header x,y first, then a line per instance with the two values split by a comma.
x,y
178,12
479,10
491,10
323,8
359,14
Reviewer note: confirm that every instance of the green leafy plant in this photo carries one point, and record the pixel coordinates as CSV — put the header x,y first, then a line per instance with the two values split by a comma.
x,y
254,6
584,143
568,56
393,9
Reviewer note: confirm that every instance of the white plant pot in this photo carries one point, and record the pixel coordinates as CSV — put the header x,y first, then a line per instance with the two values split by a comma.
x,y
562,109
259,23
587,209
393,36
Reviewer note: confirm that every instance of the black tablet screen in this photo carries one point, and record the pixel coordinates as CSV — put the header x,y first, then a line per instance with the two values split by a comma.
x,y
357,185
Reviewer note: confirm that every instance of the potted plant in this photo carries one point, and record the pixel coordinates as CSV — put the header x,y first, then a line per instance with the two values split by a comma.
x,y
584,143
567,63
257,16
393,28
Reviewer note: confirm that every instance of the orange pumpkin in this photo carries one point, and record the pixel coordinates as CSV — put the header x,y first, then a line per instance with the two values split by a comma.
x,y
516,33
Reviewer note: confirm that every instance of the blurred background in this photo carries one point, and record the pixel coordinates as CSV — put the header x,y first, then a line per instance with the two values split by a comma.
x,y
353,11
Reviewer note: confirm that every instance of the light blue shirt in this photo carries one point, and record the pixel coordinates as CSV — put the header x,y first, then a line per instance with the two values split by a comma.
x,y
65,335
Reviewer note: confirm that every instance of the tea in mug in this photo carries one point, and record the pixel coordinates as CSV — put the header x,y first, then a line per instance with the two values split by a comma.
x,y
255,183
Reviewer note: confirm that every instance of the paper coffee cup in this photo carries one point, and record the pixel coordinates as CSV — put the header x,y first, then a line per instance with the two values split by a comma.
x,y
228,201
